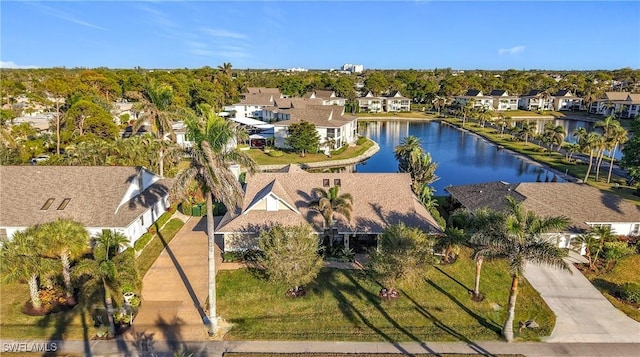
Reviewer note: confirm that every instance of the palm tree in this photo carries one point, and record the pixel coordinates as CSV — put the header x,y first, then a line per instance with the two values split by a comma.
x,y
523,243
603,234
592,143
555,134
619,136
156,101
66,240
504,121
570,148
590,242
608,126
226,68
467,109
409,150
423,172
526,131
581,137
211,156
104,270
21,261
328,202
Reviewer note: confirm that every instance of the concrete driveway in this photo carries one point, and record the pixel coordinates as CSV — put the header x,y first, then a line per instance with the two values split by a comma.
x,y
583,313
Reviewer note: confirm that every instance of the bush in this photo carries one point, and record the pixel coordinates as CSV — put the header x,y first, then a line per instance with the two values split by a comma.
x,y
616,250
630,292
185,208
162,220
152,229
361,140
340,151
275,153
142,241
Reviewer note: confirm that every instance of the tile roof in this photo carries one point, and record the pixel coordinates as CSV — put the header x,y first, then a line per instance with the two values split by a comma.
x,y
379,199
473,93
533,93
95,193
616,95
263,90
498,93
580,202
321,116
258,99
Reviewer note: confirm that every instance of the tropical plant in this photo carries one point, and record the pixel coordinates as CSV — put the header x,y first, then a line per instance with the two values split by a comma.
x,y
328,202
522,243
526,131
290,254
591,244
21,260
592,143
66,240
211,156
409,150
570,149
303,137
631,159
555,134
604,234
403,255
467,109
106,271
618,136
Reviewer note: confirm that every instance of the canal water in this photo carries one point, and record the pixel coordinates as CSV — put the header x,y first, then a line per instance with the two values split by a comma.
x,y
462,157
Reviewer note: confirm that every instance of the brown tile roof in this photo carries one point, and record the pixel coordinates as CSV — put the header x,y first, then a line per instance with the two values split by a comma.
x,y
258,99
284,103
263,90
321,116
379,199
325,94
95,193
616,95
581,203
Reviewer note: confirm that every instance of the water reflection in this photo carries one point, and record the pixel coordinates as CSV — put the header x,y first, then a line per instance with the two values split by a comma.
x,y
462,158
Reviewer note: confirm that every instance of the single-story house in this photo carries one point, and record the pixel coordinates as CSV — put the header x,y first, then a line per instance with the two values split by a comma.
x,y
379,200
125,199
584,205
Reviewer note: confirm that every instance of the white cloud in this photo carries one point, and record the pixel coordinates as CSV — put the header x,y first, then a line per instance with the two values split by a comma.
x,y
65,16
511,51
13,65
223,33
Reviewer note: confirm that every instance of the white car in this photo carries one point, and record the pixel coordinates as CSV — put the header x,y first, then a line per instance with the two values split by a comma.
x,y
39,158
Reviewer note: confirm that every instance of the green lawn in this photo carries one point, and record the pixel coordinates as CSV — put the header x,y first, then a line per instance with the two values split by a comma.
x,y
553,159
293,158
625,271
73,324
344,305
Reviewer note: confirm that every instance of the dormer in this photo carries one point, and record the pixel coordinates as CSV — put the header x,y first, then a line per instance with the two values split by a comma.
x,y
272,198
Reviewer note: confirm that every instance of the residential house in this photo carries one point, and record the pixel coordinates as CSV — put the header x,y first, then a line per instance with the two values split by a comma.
x,y
623,104
502,101
328,97
536,100
252,105
480,101
334,126
584,205
125,199
394,102
379,200
565,100
123,109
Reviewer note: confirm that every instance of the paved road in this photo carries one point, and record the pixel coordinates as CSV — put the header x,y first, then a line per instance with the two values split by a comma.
x,y
583,313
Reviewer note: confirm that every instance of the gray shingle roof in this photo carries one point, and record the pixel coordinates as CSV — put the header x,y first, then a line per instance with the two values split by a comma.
x,y
379,199
580,202
318,115
95,193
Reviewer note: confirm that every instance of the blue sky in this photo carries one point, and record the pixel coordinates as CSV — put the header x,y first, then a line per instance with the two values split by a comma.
x,y
559,35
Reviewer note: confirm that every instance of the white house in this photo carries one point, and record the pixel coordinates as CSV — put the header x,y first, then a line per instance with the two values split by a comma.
x,y
536,100
584,205
625,104
370,103
125,199
480,101
334,127
394,102
502,101
328,97
565,100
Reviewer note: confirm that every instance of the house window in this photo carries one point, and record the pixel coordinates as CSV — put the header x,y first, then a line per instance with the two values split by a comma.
x,y
47,204
336,182
3,234
64,204
142,220
599,225
636,229
326,183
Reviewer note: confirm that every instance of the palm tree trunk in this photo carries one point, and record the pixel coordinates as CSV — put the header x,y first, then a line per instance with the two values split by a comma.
x,y
476,286
598,163
109,305
507,329
57,127
615,148
66,274
36,302
213,317
586,176
161,162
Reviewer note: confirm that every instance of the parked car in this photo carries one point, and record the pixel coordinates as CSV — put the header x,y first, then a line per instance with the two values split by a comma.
x,y
39,158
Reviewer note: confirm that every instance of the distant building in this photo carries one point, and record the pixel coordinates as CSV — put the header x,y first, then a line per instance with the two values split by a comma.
x,y
353,68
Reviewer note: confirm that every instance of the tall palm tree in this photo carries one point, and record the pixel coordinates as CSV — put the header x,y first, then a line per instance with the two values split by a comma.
x,y
104,270
526,131
603,234
522,243
580,134
66,240
467,109
423,173
21,260
211,156
590,242
409,150
504,121
555,133
608,126
592,143
157,111
619,136
226,68
328,202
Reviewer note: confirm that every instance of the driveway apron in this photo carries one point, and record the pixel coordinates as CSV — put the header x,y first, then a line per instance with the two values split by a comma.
x,y
583,313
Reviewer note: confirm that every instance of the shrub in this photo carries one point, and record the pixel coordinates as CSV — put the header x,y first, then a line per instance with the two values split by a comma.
x,y
185,208
340,151
230,257
630,292
275,153
152,229
142,241
162,220
171,209
616,250
361,140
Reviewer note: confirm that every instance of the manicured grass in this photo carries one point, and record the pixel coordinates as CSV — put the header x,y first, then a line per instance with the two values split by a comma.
x,y
157,244
344,305
625,271
293,158
553,159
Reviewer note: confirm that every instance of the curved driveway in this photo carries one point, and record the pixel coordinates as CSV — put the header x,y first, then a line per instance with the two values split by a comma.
x,y
583,313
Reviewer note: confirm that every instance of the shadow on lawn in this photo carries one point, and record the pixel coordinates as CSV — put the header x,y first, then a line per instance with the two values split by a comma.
x,y
454,279
350,312
61,322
